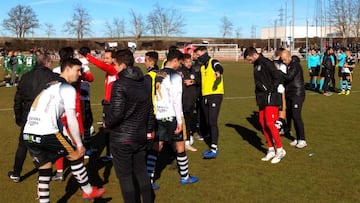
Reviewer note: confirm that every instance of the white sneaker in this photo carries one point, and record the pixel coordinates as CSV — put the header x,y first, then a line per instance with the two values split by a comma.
x,y
279,155
269,155
189,147
293,143
301,144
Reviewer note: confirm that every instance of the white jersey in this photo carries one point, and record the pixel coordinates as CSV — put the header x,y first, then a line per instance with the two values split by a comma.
x,y
168,95
48,107
57,70
85,85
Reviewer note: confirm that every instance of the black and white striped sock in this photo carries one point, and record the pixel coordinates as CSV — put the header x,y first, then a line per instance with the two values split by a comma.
x,y
183,164
43,185
79,172
151,164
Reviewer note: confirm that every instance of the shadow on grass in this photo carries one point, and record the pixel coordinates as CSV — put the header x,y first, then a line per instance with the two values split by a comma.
x,y
249,135
93,166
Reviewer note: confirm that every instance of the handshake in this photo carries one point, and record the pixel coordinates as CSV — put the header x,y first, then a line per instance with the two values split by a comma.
x,y
84,51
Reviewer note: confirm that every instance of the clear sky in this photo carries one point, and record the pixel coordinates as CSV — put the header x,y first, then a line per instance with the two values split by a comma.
x,y
202,17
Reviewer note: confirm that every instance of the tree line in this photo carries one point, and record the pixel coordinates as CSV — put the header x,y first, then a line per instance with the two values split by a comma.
x,y
160,22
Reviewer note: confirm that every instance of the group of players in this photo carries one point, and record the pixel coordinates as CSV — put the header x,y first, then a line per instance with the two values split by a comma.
x,y
185,85
328,61
16,64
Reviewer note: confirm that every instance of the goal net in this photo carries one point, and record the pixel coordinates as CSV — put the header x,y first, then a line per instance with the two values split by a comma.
x,y
229,52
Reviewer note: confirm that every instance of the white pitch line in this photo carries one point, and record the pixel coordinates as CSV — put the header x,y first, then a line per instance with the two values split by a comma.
x,y
227,98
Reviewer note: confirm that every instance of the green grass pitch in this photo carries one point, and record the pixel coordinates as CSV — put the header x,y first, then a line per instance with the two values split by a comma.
x,y
327,170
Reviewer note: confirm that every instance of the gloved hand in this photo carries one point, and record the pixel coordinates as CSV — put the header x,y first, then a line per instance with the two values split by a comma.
x,y
281,89
84,51
279,123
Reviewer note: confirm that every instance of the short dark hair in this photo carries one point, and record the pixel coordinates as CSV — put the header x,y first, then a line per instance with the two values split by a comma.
x,y
278,51
153,55
250,51
66,53
200,48
173,48
124,56
175,55
186,56
70,62
42,59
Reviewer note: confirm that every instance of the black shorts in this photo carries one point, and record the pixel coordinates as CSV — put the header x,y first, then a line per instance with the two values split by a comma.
x,y
345,76
325,72
339,71
48,148
314,71
165,131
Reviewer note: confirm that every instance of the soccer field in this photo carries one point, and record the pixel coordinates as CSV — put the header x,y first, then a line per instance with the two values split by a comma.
x,y
327,170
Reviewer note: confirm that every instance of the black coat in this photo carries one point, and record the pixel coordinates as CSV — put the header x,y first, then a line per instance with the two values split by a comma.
x,y
191,93
131,107
294,80
30,85
267,79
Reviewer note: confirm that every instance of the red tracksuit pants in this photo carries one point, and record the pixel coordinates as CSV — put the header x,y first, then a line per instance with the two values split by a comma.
x,y
267,117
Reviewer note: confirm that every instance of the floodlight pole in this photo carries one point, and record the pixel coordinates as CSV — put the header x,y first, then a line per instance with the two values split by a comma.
x,y
292,46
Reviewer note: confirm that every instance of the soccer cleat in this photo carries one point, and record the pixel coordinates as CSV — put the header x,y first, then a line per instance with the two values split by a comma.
x,y
301,144
279,155
210,154
106,158
95,193
14,177
341,93
293,143
89,152
269,155
189,147
59,176
8,85
327,94
190,179
155,186
347,92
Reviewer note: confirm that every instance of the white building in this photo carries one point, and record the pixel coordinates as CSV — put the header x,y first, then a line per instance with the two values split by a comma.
x,y
285,33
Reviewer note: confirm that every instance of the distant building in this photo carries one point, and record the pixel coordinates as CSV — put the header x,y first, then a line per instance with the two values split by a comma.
x,y
284,33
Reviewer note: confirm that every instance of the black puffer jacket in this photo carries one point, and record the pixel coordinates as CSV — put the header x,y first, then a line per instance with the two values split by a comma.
x,y
30,85
294,79
267,79
132,113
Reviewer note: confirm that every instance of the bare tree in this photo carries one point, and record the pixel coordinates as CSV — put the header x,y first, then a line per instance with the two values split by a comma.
x,y
138,24
49,29
119,27
165,21
226,26
116,28
345,15
80,23
238,32
22,20
109,31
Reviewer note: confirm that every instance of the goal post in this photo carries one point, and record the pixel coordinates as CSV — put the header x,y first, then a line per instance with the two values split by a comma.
x,y
222,51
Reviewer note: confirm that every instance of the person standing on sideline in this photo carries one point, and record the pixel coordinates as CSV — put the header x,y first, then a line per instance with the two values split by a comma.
x,y
31,84
313,66
346,73
191,91
341,62
43,137
212,90
169,113
130,120
111,75
295,96
327,62
268,90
